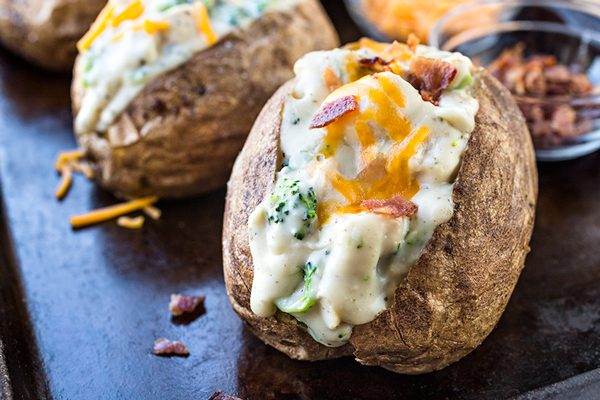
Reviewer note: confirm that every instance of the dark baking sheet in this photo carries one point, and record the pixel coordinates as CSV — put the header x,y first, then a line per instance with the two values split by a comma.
x,y
80,310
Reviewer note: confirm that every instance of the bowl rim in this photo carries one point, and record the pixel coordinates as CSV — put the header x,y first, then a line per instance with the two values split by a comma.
x,y
583,6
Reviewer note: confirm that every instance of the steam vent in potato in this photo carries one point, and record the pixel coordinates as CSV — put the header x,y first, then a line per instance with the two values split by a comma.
x,y
382,207
45,31
166,91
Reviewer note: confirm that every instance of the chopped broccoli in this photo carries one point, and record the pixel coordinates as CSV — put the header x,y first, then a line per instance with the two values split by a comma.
x,y
288,200
302,299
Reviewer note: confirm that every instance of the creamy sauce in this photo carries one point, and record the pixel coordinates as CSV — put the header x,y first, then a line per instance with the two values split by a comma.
x,y
124,58
319,256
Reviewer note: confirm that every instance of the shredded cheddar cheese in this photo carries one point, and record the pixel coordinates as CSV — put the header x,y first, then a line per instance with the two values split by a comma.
x,y
133,11
131,223
111,212
65,182
97,28
203,23
153,212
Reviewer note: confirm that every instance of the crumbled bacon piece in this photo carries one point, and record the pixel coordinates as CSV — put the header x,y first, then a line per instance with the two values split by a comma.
x,y
184,304
430,77
331,79
376,63
398,206
166,346
542,75
412,42
221,396
333,111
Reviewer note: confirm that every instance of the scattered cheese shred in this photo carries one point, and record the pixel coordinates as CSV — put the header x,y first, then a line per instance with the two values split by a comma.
x,y
111,212
203,23
133,11
131,223
97,28
153,212
67,157
150,27
65,182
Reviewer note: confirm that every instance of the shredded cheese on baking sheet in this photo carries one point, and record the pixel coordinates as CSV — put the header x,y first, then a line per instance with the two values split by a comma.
x,y
66,163
131,223
153,212
65,182
111,212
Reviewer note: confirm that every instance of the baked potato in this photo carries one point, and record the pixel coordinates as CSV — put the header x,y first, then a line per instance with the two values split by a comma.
x,y
381,207
166,91
45,31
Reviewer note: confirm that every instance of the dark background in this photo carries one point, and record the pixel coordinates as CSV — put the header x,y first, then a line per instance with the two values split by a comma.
x,y
80,310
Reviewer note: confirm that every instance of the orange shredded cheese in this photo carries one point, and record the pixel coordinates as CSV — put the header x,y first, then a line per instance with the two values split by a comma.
x,y
133,11
153,212
111,212
203,23
150,27
131,223
67,157
97,28
65,182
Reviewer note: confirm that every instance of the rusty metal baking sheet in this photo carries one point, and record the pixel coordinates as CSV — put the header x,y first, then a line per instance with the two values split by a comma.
x,y
80,310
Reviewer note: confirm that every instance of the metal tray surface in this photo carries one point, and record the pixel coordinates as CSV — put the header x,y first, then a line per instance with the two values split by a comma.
x,y
80,310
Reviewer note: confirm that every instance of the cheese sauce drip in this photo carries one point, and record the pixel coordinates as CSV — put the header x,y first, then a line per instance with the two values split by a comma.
x,y
319,255
133,41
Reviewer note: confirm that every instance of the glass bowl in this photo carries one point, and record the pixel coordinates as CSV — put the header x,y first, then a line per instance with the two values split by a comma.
x,y
568,30
388,20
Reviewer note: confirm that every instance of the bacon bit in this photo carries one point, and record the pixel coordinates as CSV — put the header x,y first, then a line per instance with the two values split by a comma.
x,y
398,206
430,77
184,304
333,111
331,79
166,346
221,396
374,63
412,42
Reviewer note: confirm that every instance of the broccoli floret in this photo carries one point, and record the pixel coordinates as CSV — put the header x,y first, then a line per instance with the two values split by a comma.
x,y
289,201
302,299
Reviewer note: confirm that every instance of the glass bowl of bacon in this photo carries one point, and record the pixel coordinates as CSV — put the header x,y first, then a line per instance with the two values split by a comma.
x,y
547,53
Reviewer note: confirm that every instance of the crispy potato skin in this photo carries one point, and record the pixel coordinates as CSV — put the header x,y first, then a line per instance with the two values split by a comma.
x,y
45,32
179,137
456,292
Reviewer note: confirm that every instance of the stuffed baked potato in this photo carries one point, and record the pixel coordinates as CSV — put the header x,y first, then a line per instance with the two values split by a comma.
x,y
166,91
45,31
382,207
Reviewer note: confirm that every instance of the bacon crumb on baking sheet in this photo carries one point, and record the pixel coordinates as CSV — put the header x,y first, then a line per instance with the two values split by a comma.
x,y
430,77
166,346
398,206
331,112
181,304
221,396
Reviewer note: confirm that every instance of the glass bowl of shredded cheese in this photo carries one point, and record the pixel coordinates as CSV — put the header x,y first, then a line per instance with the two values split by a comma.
x,y
388,20
547,53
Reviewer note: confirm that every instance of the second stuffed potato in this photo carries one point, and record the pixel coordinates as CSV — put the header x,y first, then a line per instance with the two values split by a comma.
x,y
166,91
45,31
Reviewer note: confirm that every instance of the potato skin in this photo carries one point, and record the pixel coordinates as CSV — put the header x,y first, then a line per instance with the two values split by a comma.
x,y
45,32
456,292
179,137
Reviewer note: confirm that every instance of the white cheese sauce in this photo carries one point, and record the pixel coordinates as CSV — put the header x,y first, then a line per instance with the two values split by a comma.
x,y
122,59
343,268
